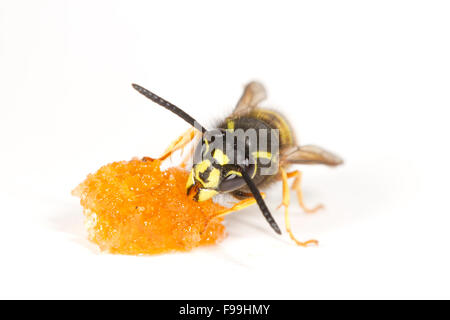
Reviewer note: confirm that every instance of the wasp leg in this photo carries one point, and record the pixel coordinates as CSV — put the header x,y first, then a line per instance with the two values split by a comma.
x,y
298,188
236,207
179,143
285,203
189,156
239,206
185,161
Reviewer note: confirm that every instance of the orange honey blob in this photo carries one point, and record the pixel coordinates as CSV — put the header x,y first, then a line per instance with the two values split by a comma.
x,y
132,207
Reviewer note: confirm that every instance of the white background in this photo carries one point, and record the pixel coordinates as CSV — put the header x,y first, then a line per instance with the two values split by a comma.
x,y
369,80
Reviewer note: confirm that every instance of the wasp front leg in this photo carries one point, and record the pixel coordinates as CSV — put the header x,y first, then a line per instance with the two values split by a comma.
x,y
188,158
239,206
179,143
285,203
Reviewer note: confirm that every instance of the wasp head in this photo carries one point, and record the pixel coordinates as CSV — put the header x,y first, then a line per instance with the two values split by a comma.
x,y
214,171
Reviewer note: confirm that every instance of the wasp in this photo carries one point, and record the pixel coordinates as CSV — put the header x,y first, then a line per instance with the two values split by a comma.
x,y
223,165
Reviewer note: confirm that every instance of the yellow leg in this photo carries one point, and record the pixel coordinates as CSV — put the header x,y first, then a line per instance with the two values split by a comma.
x,y
298,188
239,206
179,143
236,207
184,162
285,203
189,155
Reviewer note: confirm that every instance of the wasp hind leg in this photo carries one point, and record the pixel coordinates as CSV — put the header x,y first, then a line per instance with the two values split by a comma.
x,y
285,203
297,186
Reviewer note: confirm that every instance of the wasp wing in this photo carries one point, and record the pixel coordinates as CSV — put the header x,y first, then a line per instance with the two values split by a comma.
x,y
254,93
310,155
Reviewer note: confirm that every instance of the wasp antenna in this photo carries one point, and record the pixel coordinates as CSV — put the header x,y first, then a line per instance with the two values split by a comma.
x,y
260,201
169,106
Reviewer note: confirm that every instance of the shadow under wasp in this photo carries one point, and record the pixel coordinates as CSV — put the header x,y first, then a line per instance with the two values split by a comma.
x,y
230,167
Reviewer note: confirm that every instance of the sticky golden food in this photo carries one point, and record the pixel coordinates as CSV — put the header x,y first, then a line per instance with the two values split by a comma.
x,y
132,207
